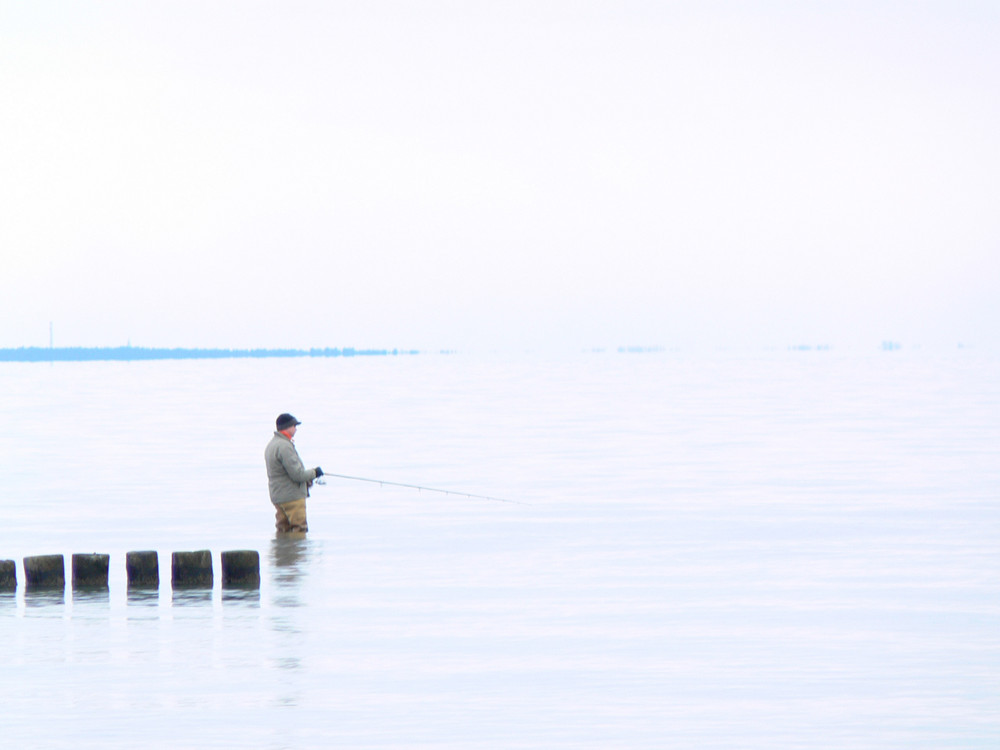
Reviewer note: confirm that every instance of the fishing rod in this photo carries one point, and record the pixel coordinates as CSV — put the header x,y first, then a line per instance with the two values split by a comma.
x,y
382,482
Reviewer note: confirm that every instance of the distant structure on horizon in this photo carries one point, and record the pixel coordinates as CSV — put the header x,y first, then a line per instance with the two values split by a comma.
x,y
135,353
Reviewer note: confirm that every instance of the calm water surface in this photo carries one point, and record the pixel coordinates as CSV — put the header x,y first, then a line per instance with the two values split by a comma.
x,y
789,549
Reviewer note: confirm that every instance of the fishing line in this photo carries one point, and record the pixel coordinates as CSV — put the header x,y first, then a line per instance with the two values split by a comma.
x,y
418,487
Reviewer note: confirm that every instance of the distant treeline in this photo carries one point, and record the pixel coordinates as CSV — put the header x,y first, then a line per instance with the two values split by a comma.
x,y
129,353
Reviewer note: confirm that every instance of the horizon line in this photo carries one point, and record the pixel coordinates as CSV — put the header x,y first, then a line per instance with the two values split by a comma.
x,y
129,352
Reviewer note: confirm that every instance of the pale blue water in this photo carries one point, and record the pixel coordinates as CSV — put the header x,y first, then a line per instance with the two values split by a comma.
x,y
774,550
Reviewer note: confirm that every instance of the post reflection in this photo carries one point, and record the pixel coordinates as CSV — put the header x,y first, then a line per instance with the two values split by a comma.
x,y
143,597
143,603
248,597
92,598
191,597
44,602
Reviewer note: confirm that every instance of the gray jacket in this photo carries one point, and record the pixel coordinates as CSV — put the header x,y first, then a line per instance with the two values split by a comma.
x,y
287,478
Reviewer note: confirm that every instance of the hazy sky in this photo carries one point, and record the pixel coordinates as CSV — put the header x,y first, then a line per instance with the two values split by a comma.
x,y
477,174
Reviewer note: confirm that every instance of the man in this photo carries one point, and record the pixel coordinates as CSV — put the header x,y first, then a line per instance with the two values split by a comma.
x,y
287,479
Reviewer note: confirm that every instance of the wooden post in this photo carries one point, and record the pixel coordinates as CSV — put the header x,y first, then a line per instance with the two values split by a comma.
x,y
90,571
8,575
192,569
45,572
241,568
143,569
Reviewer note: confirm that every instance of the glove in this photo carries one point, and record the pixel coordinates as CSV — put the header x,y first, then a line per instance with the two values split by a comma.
x,y
319,472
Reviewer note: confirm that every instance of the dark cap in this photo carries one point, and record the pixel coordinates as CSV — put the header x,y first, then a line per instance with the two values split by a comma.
x,y
284,421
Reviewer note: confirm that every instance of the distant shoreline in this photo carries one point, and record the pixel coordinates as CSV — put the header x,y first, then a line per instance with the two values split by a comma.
x,y
134,353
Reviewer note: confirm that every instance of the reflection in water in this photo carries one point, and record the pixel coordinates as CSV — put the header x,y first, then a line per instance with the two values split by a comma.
x,y
44,602
143,603
248,597
191,597
290,558
289,562
8,601
288,662
91,601
141,597
91,604
287,552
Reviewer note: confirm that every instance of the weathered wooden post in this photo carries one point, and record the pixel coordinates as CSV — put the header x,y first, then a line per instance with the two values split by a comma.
x,y
90,571
191,569
45,572
241,568
8,575
143,569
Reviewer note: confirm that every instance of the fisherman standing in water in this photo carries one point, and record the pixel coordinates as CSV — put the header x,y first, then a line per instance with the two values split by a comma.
x,y
287,479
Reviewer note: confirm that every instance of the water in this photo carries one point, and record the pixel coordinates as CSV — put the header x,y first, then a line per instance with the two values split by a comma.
x,y
786,549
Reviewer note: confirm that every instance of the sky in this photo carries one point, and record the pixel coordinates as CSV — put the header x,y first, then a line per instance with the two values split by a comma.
x,y
476,175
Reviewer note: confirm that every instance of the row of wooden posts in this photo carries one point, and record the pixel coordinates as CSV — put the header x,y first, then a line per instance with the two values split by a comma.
x,y
240,568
